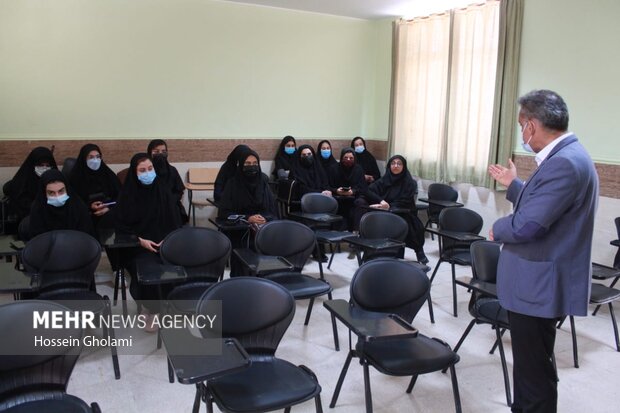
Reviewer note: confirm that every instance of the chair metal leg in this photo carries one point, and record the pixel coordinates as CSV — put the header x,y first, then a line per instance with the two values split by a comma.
x,y
502,357
454,289
412,383
343,373
471,325
501,333
367,394
170,371
455,389
287,409
109,334
309,311
431,313
197,398
319,259
318,404
435,270
333,251
613,321
335,331
574,334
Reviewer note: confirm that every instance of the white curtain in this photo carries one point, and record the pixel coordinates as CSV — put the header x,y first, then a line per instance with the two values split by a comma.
x,y
443,92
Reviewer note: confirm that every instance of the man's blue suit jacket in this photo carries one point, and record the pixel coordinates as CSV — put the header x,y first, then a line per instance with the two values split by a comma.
x,y
544,268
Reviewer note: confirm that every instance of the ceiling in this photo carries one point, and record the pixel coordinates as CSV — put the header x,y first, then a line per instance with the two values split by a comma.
x,y
364,9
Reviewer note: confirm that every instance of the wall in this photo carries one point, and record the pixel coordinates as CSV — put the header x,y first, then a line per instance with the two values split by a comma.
x,y
571,46
100,69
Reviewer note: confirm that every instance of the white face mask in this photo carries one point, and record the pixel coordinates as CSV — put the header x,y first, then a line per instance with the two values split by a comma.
x,y
40,170
526,145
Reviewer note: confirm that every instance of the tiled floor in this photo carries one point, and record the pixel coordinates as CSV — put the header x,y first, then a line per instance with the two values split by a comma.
x,y
144,384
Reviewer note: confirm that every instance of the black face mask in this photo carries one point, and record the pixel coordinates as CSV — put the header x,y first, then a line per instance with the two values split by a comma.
x,y
250,171
308,160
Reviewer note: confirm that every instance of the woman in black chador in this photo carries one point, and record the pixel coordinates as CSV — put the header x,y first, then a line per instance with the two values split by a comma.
x,y
22,189
284,158
228,170
365,159
148,210
247,193
308,173
346,181
167,174
325,155
56,206
96,184
397,189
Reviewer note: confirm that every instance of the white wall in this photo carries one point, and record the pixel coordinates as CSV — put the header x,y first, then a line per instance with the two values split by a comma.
x,y
188,68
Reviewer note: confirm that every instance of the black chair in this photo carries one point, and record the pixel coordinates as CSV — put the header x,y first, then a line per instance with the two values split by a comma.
x,y
458,229
65,261
285,197
33,379
484,305
439,192
203,253
67,166
383,225
274,238
599,295
316,203
390,286
257,312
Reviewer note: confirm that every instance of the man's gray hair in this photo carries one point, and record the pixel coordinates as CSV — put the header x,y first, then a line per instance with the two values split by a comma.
x,y
546,106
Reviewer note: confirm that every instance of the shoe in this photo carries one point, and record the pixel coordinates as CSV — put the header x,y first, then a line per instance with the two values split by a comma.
x,y
422,259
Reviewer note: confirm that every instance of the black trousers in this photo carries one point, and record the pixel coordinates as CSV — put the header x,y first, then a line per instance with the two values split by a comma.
x,y
534,377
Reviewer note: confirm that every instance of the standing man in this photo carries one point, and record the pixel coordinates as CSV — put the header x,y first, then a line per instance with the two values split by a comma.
x,y
544,269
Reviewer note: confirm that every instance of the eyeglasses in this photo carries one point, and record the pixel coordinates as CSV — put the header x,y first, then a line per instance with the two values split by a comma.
x,y
397,163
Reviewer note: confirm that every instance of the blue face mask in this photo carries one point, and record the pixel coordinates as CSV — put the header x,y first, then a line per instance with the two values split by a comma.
x,y
57,201
326,153
94,163
289,150
359,149
147,178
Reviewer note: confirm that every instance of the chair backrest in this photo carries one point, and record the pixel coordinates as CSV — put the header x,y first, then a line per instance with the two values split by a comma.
x,y
484,259
26,368
202,252
316,203
440,192
459,220
122,175
64,259
289,239
202,176
390,286
256,311
382,224
67,166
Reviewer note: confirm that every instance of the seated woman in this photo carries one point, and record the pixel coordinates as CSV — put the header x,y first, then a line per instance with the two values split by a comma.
x,y
246,194
308,173
228,170
96,184
147,209
56,207
366,160
284,158
346,181
396,189
22,189
327,160
168,174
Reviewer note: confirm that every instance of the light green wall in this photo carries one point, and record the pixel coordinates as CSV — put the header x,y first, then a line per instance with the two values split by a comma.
x,y
573,47
188,68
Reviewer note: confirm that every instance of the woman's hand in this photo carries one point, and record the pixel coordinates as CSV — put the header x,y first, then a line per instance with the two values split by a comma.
x,y
328,193
384,205
149,245
340,191
256,219
99,208
369,178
